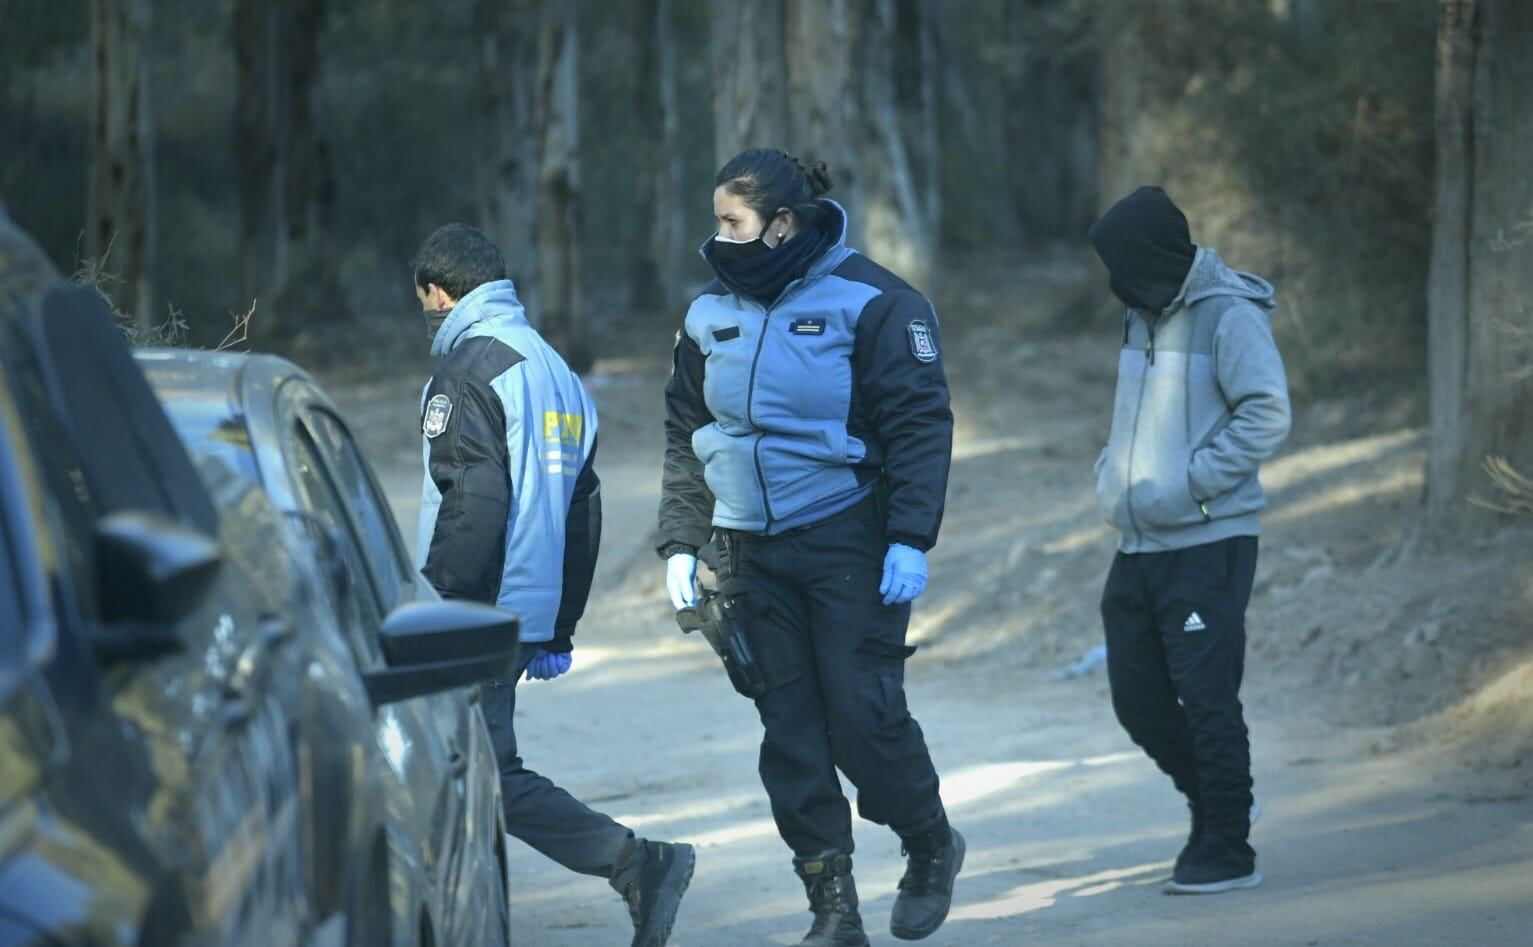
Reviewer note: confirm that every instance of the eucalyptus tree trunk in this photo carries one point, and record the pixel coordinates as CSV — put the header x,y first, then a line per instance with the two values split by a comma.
x,y
308,265
821,41
750,97
900,212
655,279
1051,120
1480,295
506,160
556,115
285,183
256,118
120,230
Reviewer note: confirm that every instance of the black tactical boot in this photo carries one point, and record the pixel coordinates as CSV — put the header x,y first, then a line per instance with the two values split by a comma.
x,y
652,877
833,899
935,853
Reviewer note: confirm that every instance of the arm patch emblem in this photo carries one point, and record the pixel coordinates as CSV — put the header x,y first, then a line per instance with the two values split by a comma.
x,y
922,346
438,410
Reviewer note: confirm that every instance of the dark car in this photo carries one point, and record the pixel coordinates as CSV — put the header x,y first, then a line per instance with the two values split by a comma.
x,y
183,731
160,671
440,865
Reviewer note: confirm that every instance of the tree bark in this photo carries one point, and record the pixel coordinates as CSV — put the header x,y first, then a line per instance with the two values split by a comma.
x,y
507,157
654,281
308,267
556,114
285,181
672,222
1481,279
1124,106
820,39
750,100
255,142
1051,120
898,158
120,231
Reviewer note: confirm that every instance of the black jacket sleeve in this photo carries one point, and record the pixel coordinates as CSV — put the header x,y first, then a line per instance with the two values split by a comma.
x,y
582,542
467,461
686,503
903,390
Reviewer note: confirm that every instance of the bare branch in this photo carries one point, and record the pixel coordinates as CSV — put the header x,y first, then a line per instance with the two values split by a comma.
x,y
1516,487
239,334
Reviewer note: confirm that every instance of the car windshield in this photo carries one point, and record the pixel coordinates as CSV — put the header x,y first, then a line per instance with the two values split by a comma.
x,y
207,428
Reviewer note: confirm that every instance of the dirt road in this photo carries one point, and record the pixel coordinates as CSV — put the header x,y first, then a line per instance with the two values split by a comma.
x,y
1375,833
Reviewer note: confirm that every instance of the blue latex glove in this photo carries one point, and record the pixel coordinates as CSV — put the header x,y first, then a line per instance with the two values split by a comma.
x,y
547,666
904,575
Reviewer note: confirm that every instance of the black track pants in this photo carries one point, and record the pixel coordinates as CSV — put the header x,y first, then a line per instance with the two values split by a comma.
x,y
1176,643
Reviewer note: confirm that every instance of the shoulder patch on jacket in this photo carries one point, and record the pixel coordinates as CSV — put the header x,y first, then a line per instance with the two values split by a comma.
x,y
922,345
438,410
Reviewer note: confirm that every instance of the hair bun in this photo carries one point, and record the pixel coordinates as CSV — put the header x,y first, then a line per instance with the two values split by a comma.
x,y
819,178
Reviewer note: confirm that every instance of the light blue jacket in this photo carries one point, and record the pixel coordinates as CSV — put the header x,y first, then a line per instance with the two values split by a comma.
x,y
508,433
780,416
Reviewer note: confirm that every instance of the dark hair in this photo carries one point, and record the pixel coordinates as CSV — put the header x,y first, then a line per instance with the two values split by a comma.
x,y
769,179
459,259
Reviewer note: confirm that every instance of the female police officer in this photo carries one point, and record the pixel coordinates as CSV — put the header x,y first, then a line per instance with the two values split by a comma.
x,y
808,428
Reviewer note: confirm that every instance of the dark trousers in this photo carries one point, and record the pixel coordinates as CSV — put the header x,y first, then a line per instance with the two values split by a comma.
x,y
538,812
1176,640
834,657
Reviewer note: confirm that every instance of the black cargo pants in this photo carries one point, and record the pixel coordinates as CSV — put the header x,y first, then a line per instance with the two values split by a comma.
x,y
834,659
1176,643
538,812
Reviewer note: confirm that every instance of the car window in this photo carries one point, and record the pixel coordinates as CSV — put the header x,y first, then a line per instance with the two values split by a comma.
x,y
360,614
208,430
369,511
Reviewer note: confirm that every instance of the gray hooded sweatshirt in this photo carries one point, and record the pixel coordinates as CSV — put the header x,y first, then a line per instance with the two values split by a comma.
x,y
1202,400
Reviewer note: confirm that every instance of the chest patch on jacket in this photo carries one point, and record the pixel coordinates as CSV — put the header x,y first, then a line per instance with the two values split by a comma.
x,y
808,327
726,335
438,410
922,346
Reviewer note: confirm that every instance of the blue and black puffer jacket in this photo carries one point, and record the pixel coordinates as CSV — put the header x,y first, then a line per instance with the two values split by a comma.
x,y
780,416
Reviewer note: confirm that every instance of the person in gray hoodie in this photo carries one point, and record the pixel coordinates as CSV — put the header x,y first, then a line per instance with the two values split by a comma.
x,y
1202,400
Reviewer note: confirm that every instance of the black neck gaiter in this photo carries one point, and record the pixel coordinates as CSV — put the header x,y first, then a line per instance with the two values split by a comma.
x,y
764,276
1144,241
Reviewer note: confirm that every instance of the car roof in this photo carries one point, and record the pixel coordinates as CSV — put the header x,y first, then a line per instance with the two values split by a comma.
x,y
237,378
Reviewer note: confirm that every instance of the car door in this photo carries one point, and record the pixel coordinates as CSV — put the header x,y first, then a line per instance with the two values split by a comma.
x,y
194,747
423,752
466,829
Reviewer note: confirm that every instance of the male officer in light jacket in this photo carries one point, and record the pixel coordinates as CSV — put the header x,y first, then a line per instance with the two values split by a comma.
x,y
511,515
1202,400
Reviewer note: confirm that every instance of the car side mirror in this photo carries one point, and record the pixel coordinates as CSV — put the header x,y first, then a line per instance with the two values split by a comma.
x,y
431,647
152,572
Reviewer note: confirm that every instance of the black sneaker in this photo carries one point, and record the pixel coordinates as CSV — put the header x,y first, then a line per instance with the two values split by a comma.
x,y
1217,864
1196,835
935,856
833,900
655,895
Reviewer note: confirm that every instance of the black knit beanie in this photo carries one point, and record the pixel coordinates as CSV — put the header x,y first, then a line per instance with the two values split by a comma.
x,y
1148,250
